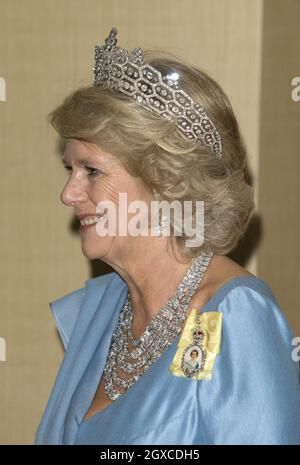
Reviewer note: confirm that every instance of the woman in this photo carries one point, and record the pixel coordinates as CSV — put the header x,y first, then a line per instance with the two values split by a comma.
x,y
154,128
192,363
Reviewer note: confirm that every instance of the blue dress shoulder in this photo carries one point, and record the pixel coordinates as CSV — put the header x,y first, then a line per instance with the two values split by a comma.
x,y
253,396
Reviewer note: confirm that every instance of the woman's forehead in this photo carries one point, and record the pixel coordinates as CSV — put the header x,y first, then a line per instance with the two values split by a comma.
x,y
85,152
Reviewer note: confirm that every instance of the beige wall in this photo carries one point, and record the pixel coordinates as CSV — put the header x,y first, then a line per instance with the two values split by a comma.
x,y
47,50
279,160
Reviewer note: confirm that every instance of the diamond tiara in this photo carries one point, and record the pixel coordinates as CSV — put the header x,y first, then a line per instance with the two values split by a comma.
x,y
127,73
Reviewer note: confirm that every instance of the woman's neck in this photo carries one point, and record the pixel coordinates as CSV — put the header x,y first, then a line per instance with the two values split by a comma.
x,y
152,278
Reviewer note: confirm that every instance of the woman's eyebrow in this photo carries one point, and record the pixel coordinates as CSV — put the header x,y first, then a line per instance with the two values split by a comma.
x,y
82,161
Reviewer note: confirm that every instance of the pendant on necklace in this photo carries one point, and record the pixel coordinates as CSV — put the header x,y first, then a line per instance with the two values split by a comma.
x,y
194,355
198,345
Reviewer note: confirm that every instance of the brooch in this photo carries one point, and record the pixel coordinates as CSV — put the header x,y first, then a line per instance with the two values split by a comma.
x,y
198,345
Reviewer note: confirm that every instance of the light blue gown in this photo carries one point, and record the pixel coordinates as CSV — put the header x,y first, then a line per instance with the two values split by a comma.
x,y
252,398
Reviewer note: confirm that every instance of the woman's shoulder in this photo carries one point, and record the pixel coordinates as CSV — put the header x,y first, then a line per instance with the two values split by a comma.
x,y
243,289
227,281
249,306
244,299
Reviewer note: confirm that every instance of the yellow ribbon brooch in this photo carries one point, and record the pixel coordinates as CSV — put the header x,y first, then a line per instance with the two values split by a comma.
x,y
198,345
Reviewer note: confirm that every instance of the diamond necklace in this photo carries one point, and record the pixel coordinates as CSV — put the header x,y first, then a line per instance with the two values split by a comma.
x,y
159,334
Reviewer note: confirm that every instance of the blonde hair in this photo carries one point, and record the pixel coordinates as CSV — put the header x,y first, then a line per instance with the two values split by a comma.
x,y
153,149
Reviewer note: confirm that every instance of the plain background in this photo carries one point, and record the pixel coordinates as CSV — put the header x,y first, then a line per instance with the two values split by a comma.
x,y
46,51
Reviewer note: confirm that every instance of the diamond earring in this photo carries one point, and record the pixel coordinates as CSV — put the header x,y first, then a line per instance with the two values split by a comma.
x,y
163,223
162,226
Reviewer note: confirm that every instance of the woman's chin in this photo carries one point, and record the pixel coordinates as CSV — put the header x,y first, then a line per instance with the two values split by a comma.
x,y
91,253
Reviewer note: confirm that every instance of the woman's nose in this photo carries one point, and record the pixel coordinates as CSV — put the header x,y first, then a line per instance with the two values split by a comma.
x,y
73,193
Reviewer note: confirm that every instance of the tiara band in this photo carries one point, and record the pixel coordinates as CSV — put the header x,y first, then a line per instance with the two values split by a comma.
x,y
126,72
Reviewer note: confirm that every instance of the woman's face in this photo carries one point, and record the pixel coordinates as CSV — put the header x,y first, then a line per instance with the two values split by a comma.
x,y
194,354
97,176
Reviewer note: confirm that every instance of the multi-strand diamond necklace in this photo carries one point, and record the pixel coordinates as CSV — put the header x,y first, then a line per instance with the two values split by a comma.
x,y
160,333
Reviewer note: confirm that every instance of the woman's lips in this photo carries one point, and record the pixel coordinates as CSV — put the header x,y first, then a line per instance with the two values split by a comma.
x,y
84,227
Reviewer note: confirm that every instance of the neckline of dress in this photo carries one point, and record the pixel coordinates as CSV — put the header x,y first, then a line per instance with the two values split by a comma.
x,y
216,296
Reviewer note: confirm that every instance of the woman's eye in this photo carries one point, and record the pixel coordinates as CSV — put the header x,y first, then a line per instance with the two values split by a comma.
x,y
91,171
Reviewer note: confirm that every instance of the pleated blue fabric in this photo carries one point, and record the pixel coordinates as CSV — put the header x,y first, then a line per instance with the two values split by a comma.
x,y
252,398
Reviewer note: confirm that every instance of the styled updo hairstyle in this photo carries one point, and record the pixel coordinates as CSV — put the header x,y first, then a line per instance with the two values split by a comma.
x,y
152,148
